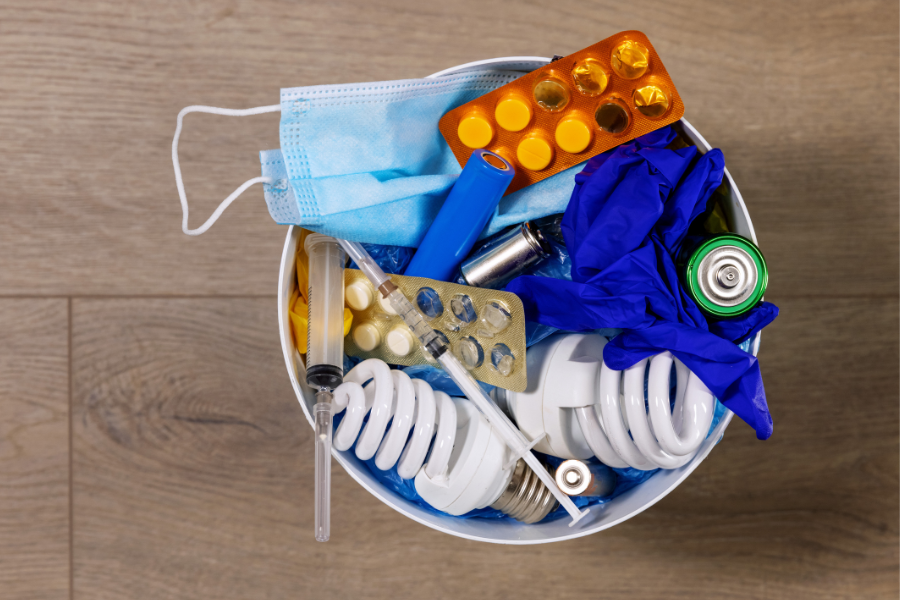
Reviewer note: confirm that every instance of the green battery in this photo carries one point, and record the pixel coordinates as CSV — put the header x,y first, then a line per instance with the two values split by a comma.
x,y
726,275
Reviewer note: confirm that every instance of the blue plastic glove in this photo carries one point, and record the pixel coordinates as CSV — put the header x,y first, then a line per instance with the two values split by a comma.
x,y
625,223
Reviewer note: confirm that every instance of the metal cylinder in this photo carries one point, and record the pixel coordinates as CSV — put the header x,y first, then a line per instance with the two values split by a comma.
x,y
726,275
525,498
497,264
576,478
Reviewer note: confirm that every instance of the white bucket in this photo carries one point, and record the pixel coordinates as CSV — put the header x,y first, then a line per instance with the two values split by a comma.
x,y
508,531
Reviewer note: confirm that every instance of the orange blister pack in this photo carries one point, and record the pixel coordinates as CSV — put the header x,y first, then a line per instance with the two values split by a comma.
x,y
572,109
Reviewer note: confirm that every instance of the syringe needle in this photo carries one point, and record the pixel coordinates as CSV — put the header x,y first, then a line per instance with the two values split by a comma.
x,y
323,418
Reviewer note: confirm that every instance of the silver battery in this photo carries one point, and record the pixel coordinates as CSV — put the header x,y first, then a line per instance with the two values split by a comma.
x,y
495,266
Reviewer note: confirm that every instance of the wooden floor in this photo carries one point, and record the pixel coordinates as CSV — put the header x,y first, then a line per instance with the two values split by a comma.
x,y
150,443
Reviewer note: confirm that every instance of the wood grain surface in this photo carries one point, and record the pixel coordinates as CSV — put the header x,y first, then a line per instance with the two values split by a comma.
x,y
191,462
34,449
193,476
800,96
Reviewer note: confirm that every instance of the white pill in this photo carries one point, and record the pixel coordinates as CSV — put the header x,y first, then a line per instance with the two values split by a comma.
x,y
386,305
401,341
366,336
359,295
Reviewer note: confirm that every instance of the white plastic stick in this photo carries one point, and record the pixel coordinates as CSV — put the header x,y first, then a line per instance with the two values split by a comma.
x,y
509,432
365,262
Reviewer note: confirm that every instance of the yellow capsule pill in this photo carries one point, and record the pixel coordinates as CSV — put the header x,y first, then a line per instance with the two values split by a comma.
x,y
513,113
590,78
534,153
475,131
630,59
551,95
651,101
573,135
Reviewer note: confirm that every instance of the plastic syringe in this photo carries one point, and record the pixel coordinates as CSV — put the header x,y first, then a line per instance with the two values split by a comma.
x,y
324,358
437,348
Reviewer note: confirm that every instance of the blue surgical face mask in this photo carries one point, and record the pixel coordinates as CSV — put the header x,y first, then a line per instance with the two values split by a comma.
x,y
366,162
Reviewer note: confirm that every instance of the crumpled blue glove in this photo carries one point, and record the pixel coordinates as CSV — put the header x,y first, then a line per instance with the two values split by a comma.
x,y
624,225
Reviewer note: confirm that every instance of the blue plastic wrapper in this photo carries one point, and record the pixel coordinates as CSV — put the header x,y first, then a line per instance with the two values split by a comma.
x,y
558,265
391,259
439,380
625,223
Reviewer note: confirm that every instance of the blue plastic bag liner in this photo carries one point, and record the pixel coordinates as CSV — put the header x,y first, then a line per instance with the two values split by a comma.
x,y
626,479
366,162
439,380
391,259
627,218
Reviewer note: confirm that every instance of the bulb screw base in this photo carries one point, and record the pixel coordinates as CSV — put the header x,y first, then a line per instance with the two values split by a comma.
x,y
525,498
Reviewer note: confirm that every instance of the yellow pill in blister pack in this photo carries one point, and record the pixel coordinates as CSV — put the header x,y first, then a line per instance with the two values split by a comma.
x,y
534,153
475,131
651,100
630,59
513,113
573,135
590,78
618,89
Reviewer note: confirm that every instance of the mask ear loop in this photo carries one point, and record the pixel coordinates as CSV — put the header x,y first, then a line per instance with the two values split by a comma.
x,y
243,187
